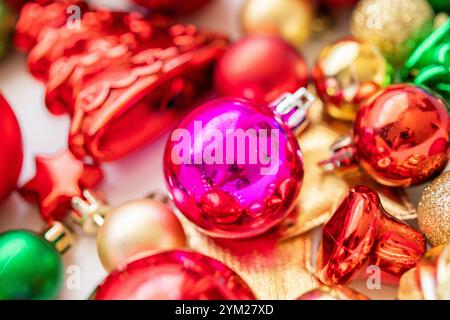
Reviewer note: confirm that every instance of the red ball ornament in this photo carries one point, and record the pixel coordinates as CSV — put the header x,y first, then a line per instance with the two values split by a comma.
x,y
173,7
401,134
360,234
174,275
260,69
400,137
11,149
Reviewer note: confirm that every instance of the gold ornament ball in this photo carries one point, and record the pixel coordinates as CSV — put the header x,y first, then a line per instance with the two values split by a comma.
x,y
334,292
289,19
347,72
135,229
434,211
395,27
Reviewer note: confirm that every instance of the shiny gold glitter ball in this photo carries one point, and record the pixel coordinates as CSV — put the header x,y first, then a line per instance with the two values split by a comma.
x,y
434,211
290,19
396,27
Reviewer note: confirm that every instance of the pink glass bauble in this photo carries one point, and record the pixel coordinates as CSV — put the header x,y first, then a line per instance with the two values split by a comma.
x,y
239,171
174,275
260,68
401,135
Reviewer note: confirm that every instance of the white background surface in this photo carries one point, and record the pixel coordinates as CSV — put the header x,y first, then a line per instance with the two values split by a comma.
x,y
132,177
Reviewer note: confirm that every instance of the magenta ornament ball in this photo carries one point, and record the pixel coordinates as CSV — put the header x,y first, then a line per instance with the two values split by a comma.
x,y
233,168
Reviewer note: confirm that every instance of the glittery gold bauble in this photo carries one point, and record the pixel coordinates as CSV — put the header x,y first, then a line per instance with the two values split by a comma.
x,y
430,279
394,26
346,73
434,211
136,228
290,19
332,293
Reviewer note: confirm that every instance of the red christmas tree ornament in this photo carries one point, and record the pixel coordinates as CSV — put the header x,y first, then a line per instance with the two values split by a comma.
x,y
400,137
260,69
174,275
173,7
362,233
11,149
123,78
58,179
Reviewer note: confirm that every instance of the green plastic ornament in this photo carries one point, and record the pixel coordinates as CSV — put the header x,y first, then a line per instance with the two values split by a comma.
x,y
6,27
31,267
429,64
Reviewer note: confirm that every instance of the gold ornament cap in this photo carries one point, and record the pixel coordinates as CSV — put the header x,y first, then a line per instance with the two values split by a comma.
x,y
59,235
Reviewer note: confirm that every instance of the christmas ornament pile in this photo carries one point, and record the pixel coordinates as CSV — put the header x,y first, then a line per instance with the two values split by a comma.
x,y
234,165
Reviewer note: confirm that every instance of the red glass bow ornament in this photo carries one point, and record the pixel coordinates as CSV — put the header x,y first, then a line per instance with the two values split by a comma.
x,y
362,233
58,179
123,78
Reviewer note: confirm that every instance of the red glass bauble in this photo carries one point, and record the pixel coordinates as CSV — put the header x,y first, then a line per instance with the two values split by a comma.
x,y
174,275
10,148
260,68
401,135
362,233
173,7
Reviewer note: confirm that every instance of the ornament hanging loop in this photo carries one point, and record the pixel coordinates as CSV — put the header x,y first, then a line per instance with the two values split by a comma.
x,y
292,108
59,235
343,155
89,212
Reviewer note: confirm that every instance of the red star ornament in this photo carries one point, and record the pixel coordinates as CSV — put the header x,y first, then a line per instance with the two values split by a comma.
x,y
58,179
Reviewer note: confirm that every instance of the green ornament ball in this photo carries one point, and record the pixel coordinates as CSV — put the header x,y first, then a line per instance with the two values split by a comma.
x,y
30,267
